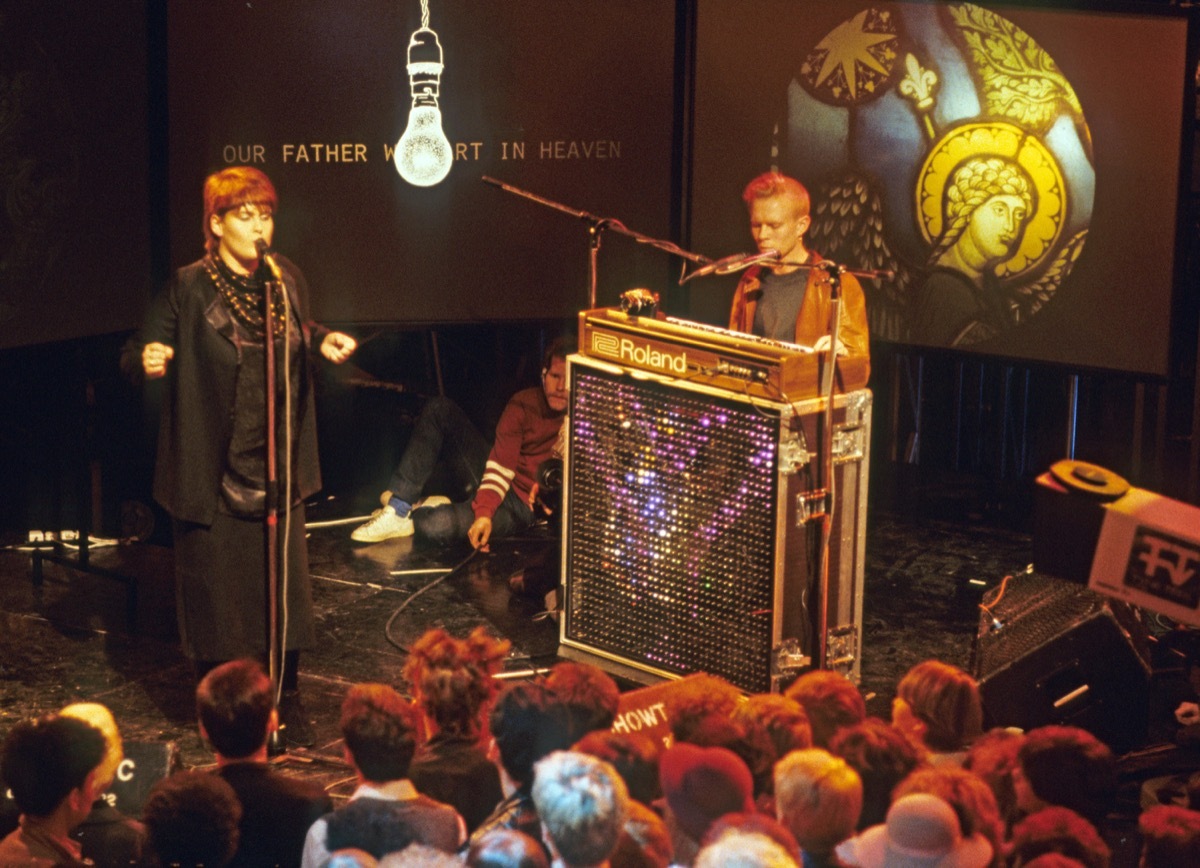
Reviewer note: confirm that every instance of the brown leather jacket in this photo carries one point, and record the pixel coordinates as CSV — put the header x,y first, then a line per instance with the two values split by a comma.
x,y
813,320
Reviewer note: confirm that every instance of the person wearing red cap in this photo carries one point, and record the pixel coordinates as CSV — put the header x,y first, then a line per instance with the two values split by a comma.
x,y
699,785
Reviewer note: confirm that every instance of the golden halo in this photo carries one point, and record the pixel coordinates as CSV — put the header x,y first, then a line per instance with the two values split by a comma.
x,y
1011,143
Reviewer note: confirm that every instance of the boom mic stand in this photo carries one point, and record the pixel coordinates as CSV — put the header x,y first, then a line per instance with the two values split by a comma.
x,y
596,227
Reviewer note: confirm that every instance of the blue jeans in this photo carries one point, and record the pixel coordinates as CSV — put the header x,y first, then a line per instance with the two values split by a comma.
x,y
444,435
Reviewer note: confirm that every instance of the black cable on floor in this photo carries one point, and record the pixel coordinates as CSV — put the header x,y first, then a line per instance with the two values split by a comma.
x,y
387,629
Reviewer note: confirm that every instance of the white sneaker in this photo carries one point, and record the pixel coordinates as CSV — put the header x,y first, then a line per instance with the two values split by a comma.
x,y
384,524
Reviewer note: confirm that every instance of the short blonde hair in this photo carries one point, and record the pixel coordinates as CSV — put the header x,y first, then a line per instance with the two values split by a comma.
x,y
98,716
818,797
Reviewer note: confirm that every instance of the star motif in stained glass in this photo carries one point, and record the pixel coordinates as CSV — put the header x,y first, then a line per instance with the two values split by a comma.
x,y
854,59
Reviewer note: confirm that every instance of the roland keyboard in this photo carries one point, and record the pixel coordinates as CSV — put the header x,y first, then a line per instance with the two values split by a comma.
x,y
738,362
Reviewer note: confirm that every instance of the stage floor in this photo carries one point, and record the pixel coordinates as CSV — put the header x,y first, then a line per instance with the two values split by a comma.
x,y
71,641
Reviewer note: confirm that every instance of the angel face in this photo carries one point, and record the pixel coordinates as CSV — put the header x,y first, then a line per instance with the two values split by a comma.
x,y
995,226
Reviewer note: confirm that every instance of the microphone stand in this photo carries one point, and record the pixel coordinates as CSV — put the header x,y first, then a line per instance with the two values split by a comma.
x,y
826,389
271,502
596,227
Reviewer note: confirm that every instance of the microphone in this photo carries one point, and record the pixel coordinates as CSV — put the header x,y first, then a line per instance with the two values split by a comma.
x,y
736,262
268,257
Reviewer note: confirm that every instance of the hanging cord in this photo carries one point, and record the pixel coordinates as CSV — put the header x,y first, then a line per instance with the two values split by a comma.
x,y
288,434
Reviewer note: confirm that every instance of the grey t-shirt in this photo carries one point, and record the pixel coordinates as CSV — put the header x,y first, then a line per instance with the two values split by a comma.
x,y
779,304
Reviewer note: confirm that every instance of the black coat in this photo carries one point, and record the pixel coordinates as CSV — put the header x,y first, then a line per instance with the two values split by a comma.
x,y
197,415
276,813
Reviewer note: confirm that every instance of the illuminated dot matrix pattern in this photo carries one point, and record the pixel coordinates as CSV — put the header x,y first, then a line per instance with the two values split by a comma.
x,y
671,527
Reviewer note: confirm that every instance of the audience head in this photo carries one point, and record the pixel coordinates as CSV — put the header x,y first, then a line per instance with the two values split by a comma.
x,y
754,824
451,679
738,849
192,819
993,756
52,762
1170,836
635,757
236,708
1057,830
699,703
818,797
418,855
782,719
831,702
506,848
646,842
1065,766
580,801
101,718
588,695
967,793
883,757
380,729
527,723
351,857
939,706
703,783
921,830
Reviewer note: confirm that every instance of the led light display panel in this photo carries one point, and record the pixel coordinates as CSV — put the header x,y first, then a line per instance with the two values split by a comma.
x,y
378,121
671,527
1017,168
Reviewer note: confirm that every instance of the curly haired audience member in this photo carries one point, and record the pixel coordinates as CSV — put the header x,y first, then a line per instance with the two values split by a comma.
x,y
452,685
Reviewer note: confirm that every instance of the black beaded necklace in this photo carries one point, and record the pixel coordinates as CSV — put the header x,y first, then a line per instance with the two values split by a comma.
x,y
243,296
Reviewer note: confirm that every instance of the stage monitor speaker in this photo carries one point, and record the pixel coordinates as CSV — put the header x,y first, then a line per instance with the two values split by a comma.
x,y
692,530
1051,652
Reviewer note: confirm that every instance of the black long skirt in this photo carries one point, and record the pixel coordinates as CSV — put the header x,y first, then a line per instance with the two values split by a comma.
x,y
221,588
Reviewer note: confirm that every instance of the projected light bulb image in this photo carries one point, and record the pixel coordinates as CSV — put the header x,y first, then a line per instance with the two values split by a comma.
x,y
423,154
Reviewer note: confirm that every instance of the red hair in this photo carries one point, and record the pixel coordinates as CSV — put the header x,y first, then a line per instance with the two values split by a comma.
x,y
232,188
771,184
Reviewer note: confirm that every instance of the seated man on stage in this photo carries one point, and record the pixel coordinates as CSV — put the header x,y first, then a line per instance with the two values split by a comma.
x,y
789,302
505,479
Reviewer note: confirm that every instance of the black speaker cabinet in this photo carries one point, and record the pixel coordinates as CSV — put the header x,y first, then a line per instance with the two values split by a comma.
x,y
692,527
1053,652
